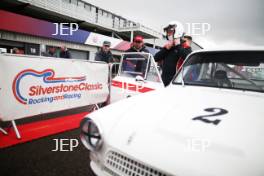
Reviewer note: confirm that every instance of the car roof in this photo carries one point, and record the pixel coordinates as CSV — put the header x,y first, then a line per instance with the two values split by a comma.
x,y
227,50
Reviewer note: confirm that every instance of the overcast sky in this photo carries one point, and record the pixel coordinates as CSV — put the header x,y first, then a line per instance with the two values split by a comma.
x,y
234,23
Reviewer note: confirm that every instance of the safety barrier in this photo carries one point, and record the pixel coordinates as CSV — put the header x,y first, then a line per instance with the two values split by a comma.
x,y
34,85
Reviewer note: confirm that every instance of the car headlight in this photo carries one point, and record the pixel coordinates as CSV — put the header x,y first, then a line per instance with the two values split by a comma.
x,y
90,135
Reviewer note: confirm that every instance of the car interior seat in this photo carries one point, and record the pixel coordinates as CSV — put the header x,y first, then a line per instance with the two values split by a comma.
x,y
221,79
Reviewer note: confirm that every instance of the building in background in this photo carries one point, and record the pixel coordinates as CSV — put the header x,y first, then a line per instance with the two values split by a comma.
x,y
29,25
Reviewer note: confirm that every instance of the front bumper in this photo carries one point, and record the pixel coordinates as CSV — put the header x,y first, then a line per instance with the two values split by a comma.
x,y
97,170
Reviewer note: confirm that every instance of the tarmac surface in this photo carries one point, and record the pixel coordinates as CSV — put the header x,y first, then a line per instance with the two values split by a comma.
x,y
36,158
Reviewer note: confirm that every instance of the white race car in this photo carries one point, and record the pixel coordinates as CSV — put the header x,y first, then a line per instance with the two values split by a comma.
x,y
208,122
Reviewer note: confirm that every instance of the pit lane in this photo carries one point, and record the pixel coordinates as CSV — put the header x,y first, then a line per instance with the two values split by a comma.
x,y
36,158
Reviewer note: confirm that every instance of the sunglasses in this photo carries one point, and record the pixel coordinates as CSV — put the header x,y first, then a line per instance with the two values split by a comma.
x,y
170,30
138,41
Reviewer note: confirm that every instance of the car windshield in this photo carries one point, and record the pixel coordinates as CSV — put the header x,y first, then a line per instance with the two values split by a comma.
x,y
134,64
243,70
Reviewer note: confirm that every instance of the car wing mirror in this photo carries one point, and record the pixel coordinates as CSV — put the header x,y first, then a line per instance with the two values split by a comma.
x,y
139,79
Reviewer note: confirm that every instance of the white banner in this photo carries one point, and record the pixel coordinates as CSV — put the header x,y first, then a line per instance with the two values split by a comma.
x,y
32,85
98,39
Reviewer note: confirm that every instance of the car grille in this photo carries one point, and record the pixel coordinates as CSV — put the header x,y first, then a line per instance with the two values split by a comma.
x,y
117,164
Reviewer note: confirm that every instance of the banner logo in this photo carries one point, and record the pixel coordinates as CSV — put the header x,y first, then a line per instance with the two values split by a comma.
x,y
48,88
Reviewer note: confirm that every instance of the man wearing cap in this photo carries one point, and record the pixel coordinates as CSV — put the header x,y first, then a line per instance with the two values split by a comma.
x,y
171,53
138,45
104,54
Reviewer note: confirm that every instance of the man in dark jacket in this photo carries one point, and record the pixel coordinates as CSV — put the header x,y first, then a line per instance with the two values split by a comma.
x,y
138,45
104,54
136,65
64,53
170,54
51,52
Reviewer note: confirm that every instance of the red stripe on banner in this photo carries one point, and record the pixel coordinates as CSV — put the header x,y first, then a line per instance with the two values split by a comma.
x,y
40,129
131,87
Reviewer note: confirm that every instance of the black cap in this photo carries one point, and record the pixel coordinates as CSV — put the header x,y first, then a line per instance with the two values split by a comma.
x,y
107,43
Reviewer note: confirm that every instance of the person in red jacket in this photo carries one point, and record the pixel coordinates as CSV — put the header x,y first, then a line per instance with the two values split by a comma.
x,y
186,44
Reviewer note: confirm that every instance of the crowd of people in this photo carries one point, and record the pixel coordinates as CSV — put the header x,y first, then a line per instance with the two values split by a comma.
x,y
170,57
61,52
52,51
